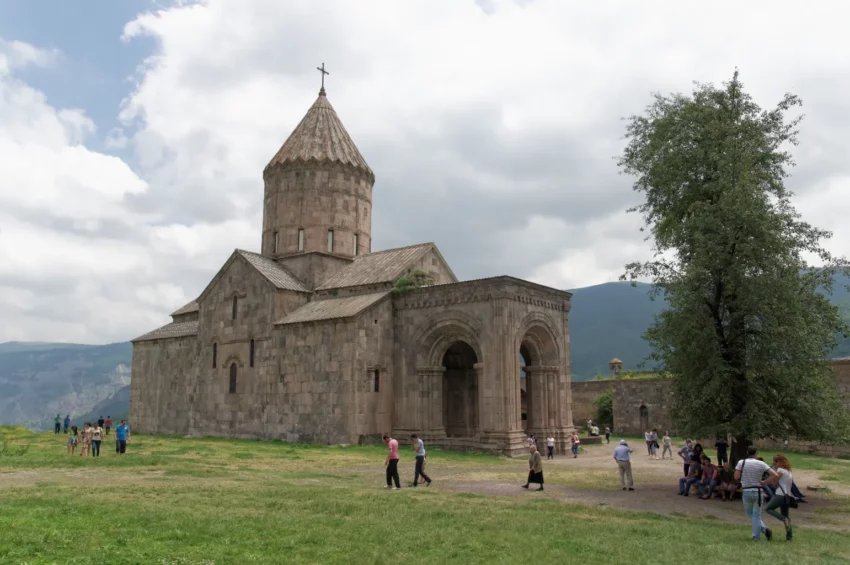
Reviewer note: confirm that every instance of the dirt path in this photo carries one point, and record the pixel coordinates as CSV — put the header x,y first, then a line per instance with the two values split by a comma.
x,y
656,487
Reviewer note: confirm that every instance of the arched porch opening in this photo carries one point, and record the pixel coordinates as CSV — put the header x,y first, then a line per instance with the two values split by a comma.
x,y
460,390
539,367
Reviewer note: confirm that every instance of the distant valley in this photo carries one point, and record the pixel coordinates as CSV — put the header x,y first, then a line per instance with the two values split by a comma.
x,y
39,380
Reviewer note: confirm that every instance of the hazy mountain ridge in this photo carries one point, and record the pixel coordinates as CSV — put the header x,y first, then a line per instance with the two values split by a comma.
x,y
39,380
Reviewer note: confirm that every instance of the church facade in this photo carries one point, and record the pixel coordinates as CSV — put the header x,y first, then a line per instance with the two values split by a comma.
x,y
314,339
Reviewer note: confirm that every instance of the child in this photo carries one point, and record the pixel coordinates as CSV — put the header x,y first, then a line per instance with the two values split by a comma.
x,y
85,443
72,440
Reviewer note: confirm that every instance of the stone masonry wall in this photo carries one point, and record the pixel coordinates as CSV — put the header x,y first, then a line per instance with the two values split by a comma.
x,y
630,394
583,395
313,268
163,374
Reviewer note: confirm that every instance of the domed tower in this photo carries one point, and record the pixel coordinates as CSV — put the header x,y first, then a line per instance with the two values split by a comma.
x,y
318,190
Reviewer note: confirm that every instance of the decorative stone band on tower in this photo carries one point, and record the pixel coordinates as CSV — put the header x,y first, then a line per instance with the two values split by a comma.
x,y
318,190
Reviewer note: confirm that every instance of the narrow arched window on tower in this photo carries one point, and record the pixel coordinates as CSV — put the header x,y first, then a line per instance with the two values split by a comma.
x,y
300,240
276,242
330,240
233,378
215,353
235,307
356,241
251,354
377,380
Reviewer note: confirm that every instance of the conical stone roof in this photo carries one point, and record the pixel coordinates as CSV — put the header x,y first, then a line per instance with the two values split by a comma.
x,y
321,137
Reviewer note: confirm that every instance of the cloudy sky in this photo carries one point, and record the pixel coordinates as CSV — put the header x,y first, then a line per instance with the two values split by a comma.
x,y
133,134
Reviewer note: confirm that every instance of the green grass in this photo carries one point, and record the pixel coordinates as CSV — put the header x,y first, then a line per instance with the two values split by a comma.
x,y
193,501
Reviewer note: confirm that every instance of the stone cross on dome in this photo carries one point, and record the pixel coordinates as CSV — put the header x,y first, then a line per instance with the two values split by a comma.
x,y
324,72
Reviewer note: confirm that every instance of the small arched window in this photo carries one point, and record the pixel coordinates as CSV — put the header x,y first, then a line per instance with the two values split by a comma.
x,y
251,354
235,307
233,378
215,354
377,380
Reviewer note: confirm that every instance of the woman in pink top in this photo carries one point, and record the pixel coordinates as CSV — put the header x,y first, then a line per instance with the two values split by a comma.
x,y
392,462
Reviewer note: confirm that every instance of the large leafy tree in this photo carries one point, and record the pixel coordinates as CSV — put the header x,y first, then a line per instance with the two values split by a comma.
x,y
748,329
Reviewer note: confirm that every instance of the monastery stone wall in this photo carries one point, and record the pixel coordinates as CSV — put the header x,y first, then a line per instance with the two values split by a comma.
x,y
655,394
161,390
583,395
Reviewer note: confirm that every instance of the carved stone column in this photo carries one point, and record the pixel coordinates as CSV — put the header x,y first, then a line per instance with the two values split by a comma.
x,y
430,384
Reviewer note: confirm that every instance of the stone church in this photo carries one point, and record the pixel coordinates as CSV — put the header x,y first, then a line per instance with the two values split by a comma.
x,y
313,340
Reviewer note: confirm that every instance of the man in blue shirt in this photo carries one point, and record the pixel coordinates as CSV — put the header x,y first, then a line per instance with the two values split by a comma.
x,y
624,464
122,434
67,422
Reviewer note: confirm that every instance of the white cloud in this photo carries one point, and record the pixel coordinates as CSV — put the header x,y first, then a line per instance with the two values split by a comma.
x,y
492,132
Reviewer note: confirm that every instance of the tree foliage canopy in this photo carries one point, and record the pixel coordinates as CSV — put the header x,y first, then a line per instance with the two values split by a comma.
x,y
747,334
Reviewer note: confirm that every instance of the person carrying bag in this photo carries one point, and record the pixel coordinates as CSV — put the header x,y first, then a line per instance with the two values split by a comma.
x,y
780,503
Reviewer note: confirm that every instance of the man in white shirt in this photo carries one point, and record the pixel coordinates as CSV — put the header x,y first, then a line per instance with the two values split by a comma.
x,y
624,464
646,438
749,471
550,446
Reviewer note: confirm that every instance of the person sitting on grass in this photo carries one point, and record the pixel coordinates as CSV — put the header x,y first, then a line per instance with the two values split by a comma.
x,y
728,484
709,479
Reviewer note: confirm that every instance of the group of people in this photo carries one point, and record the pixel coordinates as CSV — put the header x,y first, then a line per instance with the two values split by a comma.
x,y
391,462
92,435
652,445
575,444
760,486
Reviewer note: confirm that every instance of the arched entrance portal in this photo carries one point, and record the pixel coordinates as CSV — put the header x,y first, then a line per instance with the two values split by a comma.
x,y
460,391
524,358
644,418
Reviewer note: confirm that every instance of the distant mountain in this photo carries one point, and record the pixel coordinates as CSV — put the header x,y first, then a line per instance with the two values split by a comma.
x,y
116,406
39,380
608,320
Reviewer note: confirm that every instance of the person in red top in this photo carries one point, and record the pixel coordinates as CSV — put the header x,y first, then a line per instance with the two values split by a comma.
x,y
392,462
108,424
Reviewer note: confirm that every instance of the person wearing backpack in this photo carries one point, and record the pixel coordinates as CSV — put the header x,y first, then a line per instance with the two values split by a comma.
x,y
782,498
749,471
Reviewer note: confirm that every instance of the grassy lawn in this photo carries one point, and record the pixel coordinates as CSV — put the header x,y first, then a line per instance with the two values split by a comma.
x,y
192,501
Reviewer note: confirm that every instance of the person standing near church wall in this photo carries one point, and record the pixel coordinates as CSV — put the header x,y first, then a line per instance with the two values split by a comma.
x,y
391,462
419,448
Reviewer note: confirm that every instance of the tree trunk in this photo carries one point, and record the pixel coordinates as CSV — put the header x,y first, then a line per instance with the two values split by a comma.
x,y
738,449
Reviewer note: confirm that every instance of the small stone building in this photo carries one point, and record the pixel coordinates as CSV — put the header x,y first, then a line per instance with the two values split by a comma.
x,y
312,340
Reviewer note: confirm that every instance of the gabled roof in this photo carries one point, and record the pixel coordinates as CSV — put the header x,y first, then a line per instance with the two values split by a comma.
x,y
333,308
320,136
276,274
187,309
174,329
379,267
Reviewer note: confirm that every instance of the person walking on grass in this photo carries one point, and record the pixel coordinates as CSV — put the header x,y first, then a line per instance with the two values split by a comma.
x,y
535,468
550,447
607,434
782,499
419,448
624,465
85,440
575,443
122,436
107,424
73,438
667,442
96,439
749,471
391,462
57,424
67,423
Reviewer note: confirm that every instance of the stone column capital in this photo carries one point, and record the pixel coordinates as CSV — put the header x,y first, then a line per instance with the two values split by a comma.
x,y
542,369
